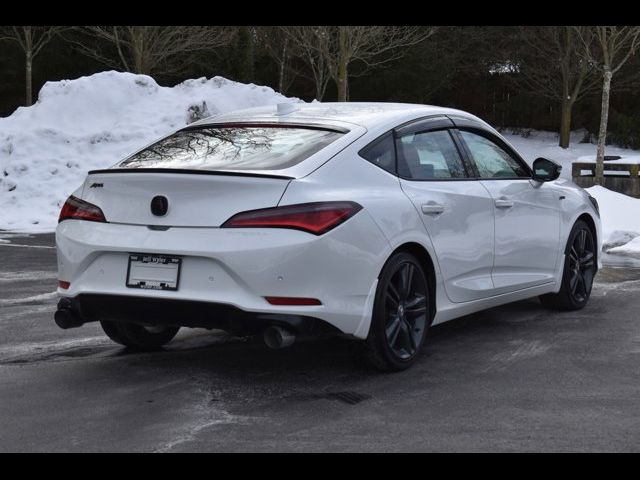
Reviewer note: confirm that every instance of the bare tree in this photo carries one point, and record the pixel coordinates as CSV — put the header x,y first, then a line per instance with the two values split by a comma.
x,y
281,47
31,40
612,48
152,49
308,43
340,47
552,65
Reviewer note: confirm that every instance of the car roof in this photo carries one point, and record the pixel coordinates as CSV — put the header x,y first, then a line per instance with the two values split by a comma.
x,y
365,114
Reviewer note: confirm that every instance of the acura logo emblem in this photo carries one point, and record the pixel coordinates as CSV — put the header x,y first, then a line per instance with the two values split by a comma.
x,y
159,206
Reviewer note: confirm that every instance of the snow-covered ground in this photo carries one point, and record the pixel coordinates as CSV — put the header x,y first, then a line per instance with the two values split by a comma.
x,y
93,122
545,144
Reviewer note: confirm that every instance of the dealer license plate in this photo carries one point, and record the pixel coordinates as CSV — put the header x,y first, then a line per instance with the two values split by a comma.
x,y
153,272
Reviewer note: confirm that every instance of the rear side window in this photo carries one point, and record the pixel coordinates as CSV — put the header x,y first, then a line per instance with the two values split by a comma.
x,y
429,156
233,148
381,153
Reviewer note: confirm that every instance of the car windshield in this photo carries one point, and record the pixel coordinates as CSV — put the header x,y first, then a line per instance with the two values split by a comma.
x,y
233,148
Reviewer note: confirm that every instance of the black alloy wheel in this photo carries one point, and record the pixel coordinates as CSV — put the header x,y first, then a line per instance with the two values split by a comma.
x,y
401,315
580,268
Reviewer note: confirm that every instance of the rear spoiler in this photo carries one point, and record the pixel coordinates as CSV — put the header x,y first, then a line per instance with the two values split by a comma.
x,y
267,124
191,172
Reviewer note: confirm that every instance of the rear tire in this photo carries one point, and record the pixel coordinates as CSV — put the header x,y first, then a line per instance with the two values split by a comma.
x,y
579,269
401,315
139,337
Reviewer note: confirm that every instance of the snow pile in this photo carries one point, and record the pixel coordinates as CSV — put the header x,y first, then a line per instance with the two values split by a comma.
x,y
620,221
93,122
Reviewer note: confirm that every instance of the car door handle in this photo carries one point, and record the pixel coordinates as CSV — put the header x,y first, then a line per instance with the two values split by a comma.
x,y
432,208
504,202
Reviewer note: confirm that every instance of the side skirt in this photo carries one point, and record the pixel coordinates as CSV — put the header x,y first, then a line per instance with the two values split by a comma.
x,y
455,310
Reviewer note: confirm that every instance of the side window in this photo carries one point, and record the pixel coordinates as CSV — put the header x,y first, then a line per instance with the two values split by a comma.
x,y
429,156
492,161
381,153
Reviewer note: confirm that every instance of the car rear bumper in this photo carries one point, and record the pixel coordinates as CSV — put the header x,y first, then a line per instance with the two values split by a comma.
x,y
86,308
226,272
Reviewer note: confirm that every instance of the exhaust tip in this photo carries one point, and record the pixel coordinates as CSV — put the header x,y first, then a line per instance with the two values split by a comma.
x,y
65,319
278,337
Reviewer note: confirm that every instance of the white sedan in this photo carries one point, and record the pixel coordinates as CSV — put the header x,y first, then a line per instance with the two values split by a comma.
x,y
371,220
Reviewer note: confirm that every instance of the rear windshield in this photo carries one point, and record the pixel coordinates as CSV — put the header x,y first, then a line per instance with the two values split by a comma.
x,y
233,148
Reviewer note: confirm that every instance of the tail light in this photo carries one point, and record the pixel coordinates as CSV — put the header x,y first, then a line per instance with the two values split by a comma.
x,y
316,218
80,210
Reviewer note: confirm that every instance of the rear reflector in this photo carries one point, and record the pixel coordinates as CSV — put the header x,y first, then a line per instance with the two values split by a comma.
x,y
75,208
316,218
292,301
64,285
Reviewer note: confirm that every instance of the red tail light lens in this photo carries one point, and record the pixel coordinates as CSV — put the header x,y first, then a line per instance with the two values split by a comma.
x,y
316,218
64,285
80,210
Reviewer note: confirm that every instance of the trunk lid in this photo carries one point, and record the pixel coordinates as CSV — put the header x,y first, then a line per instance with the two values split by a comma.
x,y
193,199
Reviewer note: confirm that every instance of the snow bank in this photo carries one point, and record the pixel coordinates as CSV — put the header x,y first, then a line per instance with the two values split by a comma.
x,y
92,122
620,216
631,248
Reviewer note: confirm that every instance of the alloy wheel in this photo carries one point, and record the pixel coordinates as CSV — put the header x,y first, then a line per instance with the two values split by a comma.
x,y
406,310
581,265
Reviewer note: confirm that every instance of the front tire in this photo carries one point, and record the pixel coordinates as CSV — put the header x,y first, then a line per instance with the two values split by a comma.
x,y
400,315
579,271
139,337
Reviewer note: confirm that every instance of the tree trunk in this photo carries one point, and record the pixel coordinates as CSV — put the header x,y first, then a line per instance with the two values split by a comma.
x,y
343,65
342,81
320,78
283,61
139,65
28,79
318,88
140,62
604,118
244,53
565,123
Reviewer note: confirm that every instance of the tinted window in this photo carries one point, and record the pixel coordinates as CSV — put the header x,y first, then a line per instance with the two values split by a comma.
x,y
381,153
428,156
233,148
492,161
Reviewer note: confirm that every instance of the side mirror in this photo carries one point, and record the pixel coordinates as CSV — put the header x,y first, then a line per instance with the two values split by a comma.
x,y
545,170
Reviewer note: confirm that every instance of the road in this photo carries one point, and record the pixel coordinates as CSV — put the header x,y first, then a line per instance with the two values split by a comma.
x,y
514,378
